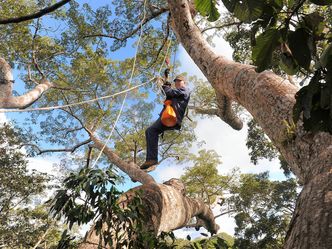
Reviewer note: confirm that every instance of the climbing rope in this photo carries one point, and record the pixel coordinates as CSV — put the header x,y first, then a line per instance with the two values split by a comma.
x,y
129,83
48,108
159,82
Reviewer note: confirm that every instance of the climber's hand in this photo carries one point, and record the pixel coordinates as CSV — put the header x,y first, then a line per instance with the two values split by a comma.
x,y
167,83
166,73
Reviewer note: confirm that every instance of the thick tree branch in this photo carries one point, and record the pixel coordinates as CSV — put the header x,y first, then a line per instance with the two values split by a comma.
x,y
131,169
38,14
27,99
88,158
225,112
159,203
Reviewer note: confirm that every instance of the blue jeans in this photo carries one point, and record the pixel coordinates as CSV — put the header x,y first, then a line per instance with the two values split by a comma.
x,y
152,136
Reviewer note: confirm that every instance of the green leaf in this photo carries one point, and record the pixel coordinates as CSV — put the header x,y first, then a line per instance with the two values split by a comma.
x,y
288,64
229,4
246,10
321,2
290,3
208,8
326,56
315,102
266,43
300,43
315,22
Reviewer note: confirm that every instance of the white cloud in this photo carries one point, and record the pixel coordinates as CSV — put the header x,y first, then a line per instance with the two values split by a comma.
x,y
43,165
3,118
231,146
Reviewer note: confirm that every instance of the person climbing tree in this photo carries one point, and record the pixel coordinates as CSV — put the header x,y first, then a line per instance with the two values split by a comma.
x,y
177,99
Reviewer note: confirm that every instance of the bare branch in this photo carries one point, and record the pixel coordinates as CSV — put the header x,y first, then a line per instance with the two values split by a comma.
x,y
223,213
38,14
34,60
135,30
71,150
88,157
163,43
222,26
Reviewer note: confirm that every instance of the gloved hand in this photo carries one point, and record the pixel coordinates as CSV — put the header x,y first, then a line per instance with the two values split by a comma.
x,y
166,73
167,83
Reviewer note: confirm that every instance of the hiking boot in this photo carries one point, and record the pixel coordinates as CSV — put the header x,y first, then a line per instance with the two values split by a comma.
x,y
148,164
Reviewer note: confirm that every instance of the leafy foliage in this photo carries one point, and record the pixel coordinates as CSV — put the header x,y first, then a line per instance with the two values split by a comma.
x,y
315,102
202,180
263,210
22,222
260,147
266,43
90,195
207,8
218,241
258,143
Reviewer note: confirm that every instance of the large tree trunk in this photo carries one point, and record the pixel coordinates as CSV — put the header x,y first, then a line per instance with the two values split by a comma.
x,y
270,100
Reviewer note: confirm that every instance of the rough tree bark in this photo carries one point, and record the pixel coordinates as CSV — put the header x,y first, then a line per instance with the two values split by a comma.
x,y
224,111
270,99
7,100
159,201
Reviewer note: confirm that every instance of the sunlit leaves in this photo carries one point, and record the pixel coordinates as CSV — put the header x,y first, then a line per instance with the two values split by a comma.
x,y
202,180
263,210
326,56
207,8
